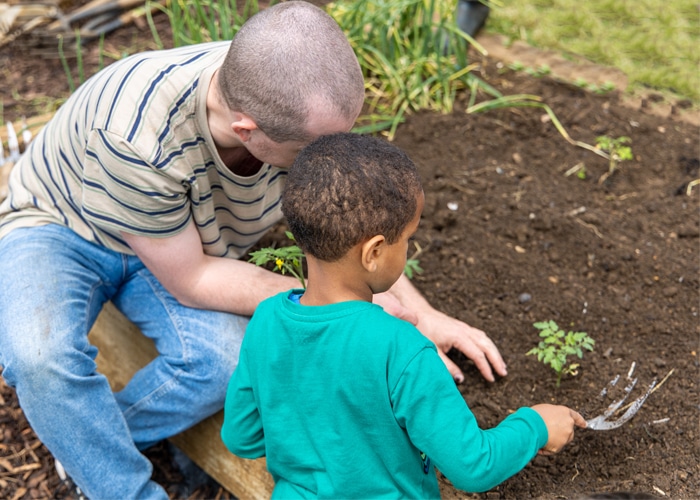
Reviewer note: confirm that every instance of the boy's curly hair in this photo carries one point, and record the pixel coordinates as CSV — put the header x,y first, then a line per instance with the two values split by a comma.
x,y
345,188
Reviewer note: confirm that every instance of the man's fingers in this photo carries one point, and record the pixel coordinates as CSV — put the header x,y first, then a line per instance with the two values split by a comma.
x,y
484,354
484,367
454,370
490,354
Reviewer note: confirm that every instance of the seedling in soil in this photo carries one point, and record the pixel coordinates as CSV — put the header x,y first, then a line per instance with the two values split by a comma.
x,y
412,263
616,150
287,259
603,88
557,345
543,70
412,268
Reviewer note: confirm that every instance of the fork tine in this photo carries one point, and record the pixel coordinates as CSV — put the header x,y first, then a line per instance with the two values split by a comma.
x,y
611,384
636,404
604,424
601,422
616,404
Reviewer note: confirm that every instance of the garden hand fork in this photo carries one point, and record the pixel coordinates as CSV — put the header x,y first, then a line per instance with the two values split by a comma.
x,y
602,422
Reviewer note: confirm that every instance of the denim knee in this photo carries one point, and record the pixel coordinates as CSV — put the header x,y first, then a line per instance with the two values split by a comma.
x,y
40,363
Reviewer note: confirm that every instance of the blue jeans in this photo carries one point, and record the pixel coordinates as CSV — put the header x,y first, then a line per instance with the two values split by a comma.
x,y
53,284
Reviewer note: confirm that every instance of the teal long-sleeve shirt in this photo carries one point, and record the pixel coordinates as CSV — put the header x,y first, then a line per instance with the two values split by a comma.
x,y
346,401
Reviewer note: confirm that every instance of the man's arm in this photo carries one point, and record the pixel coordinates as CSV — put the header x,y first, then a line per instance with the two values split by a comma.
x,y
198,280
202,281
446,332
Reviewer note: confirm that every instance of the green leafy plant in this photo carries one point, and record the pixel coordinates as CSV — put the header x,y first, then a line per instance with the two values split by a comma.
x,y
197,21
606,87
516,66
601,89
413,57
617,151
539,72
412,268
287,259
557,345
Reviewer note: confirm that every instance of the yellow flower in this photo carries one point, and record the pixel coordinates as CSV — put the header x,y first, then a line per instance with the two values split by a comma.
x,y
279,263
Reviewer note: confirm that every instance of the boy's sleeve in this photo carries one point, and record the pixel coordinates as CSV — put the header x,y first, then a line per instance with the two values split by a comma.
x,y
439,423
242,431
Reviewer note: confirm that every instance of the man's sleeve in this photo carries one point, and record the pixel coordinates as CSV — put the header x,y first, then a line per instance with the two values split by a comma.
x,y
122,192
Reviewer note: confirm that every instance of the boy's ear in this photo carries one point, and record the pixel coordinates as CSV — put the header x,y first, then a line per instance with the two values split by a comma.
x,y
243,125
372,250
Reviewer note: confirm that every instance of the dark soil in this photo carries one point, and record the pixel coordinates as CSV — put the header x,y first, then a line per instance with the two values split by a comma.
x,y
508,239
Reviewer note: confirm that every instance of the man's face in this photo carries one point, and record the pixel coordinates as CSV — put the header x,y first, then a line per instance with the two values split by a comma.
x,y
282,154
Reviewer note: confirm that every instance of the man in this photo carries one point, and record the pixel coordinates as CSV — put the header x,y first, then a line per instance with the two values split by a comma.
x,y
145,189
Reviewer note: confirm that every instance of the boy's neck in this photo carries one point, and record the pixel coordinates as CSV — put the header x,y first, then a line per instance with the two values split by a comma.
x,y
334,282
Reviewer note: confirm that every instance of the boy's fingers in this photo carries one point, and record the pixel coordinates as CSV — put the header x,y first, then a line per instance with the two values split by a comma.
x,y
579,421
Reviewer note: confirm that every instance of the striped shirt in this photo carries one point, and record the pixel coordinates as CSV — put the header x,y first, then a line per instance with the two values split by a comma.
x,y
131,151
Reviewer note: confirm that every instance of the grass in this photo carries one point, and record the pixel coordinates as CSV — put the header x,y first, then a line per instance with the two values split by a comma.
x,y
654,43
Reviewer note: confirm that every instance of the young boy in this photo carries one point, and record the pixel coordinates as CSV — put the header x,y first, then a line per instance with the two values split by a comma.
x,y
344,400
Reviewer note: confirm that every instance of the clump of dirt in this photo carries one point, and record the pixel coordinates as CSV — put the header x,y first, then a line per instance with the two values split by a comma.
x,y
509,239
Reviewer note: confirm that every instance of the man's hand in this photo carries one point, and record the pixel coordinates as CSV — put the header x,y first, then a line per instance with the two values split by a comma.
x,y
390,303
449,333
446,333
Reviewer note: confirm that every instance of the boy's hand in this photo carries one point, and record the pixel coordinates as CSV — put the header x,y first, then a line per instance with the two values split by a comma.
x,y
560,422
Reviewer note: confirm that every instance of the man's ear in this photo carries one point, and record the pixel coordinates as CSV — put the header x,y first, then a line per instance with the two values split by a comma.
x,y
372,251
243,125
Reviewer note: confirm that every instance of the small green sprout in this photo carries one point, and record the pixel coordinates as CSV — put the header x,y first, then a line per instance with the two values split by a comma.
x,y
557,345
516,66
601,89
607,86
543,70
287,259
412,268
581,83
616,150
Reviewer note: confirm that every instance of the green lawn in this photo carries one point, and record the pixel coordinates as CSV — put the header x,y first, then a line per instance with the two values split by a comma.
x,y
655,42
